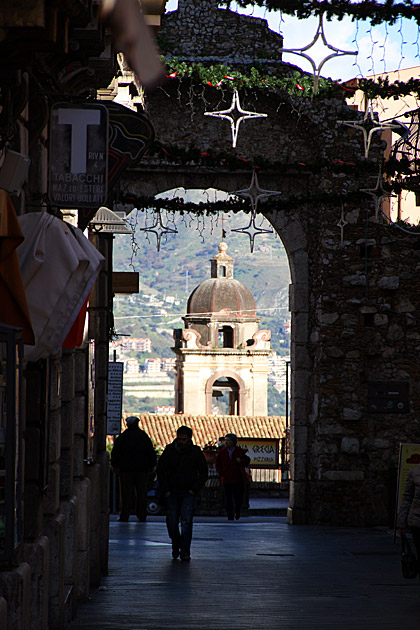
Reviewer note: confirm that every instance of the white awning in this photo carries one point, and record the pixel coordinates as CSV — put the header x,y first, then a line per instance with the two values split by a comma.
x,y
59,266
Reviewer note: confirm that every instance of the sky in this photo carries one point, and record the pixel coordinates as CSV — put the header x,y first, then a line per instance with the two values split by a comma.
x,y
380,49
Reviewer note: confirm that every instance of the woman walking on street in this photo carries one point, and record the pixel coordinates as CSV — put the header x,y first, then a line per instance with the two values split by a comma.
x,y
230,464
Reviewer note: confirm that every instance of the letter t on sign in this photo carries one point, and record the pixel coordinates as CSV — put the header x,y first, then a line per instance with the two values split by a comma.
x,y
79,119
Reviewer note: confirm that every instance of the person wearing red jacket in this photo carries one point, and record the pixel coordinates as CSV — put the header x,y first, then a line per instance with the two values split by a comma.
x,y
230,465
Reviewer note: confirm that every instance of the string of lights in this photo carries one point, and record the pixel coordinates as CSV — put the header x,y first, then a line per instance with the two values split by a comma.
x,y
371,10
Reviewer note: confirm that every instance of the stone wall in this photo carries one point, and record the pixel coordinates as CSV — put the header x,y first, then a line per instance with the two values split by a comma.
x,y
217,34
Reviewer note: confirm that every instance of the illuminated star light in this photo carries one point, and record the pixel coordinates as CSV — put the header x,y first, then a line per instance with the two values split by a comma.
x,y
367,126
235,121
252,231
301,51
255,193
159,229
378,193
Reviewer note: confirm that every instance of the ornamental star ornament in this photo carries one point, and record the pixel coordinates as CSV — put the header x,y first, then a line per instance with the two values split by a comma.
x,y
378,193
317,68
159,229
255,193
252,231
367,126
235,114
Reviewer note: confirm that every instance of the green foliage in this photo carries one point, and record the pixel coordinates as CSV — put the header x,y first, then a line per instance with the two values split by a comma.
x,y
224,77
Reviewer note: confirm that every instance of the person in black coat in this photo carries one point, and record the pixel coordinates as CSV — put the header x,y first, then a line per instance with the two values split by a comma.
x,y
182,472
134,458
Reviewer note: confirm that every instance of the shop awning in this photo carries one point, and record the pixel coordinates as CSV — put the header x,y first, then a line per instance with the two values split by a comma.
x,y
59,266
13,306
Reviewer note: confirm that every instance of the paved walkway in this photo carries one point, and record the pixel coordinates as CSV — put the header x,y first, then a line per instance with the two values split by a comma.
x,y
255,574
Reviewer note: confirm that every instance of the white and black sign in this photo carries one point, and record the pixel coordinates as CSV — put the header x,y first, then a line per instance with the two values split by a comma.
x,y
115,394
78,172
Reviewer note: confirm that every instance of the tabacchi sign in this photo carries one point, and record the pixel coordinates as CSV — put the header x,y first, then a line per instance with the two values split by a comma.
x,y
78,172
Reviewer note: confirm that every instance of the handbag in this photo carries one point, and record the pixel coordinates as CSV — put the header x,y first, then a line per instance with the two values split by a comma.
x,y
409,564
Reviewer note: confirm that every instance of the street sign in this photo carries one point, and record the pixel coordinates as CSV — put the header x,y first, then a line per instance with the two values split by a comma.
x,y
115,394
78,161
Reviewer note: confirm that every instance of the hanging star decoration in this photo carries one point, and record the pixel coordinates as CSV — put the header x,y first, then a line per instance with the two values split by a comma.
x,y
159,229
255,193
252,231
342,224
368,126
302,51
378,193
235,114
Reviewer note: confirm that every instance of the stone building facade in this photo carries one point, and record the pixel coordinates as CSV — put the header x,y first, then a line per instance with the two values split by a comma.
x,y
221,349
51,52
354,294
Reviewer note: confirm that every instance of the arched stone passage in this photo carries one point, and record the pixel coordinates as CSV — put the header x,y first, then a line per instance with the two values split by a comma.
x,y
355,289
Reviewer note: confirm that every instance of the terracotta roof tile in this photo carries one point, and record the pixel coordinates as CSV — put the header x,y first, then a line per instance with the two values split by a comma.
x,y
208,429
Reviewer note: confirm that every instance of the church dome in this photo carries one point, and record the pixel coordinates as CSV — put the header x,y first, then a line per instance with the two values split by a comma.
x,y
222,295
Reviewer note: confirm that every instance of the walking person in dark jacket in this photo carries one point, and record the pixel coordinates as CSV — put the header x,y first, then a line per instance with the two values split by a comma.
x,y
182,472
134,458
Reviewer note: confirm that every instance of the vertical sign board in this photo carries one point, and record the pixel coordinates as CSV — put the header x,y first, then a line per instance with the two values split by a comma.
x,y
78,162
409,457
115,393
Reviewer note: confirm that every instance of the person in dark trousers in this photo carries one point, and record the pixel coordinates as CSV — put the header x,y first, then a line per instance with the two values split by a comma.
x,y
409,512
231,461
182,472
134,458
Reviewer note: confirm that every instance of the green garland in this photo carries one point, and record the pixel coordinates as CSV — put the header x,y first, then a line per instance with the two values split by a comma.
x,y
229,161
370,10
180,206
223,77
384,89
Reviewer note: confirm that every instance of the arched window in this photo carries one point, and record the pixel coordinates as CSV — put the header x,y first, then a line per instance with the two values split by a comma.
x,y
225,337
225,396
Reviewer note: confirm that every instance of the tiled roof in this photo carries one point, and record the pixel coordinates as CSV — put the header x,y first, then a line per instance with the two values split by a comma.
x,y
207,429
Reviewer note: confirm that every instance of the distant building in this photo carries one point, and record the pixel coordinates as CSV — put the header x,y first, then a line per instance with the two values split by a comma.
x,y
168,364
143,344
152,366
221,353
132,366
166,410
406,204
137,344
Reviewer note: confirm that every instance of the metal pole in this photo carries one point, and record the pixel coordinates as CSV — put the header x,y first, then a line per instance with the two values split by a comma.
x,y
287,394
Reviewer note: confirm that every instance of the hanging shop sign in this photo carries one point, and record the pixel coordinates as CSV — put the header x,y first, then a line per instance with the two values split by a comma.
x,y
130,135
264,452
78,169
115,393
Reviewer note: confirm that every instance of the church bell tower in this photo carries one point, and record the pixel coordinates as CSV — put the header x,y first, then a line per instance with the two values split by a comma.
x,y
220,351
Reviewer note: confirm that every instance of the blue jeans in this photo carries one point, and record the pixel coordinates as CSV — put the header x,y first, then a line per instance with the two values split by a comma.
x,y
180,509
